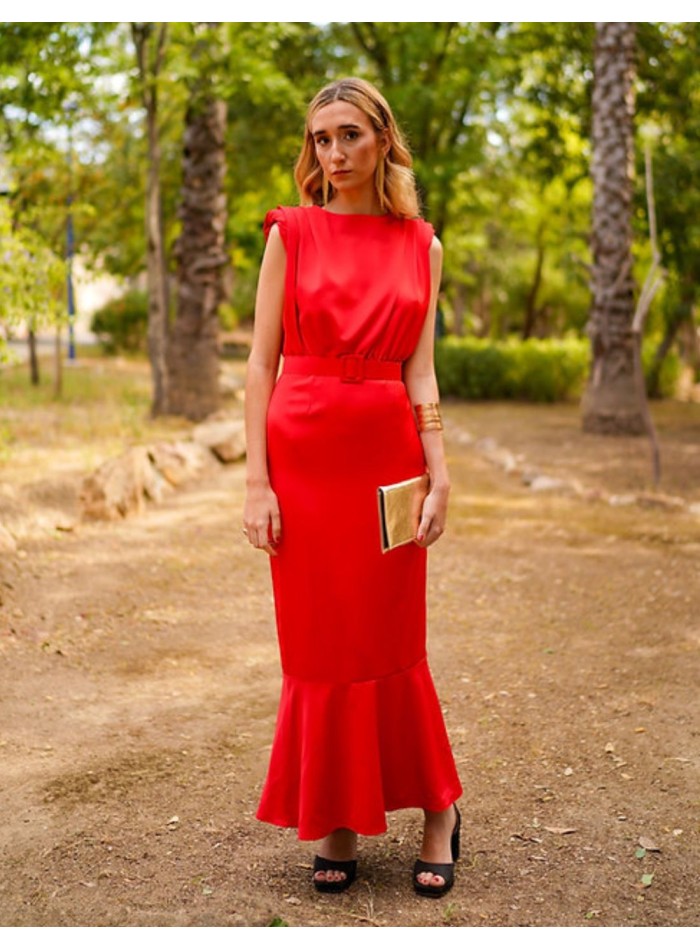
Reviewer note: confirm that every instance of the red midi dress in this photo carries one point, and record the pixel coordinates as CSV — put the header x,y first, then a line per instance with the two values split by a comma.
x,y
359,729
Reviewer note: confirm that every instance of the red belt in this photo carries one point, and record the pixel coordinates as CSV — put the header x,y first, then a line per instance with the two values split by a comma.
x,y
350,369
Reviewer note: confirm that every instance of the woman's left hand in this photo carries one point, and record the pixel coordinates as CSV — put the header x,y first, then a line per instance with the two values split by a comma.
x,y
433,516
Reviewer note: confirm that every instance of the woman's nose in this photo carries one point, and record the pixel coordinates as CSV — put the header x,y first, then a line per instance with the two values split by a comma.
x,y
336,151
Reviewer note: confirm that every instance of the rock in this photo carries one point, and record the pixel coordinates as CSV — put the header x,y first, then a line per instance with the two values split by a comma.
x,y
547,483
7,542
618,501
225,438
505,459
231,384
155,485
694,509
486,444
117,488
529,475
178,462
657,500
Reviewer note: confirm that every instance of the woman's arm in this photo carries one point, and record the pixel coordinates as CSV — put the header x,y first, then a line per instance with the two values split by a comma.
x,y
421,384
261,516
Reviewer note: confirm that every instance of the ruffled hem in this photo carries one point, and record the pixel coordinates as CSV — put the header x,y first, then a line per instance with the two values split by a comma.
x,y
346,753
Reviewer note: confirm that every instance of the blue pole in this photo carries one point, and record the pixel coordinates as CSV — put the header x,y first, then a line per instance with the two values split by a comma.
x,y
69,281
70,243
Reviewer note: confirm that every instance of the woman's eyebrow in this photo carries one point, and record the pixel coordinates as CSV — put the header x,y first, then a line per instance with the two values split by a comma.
x,y
347,125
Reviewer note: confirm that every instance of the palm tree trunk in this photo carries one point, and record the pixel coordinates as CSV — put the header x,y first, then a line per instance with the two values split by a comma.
x,y
193,353
610,404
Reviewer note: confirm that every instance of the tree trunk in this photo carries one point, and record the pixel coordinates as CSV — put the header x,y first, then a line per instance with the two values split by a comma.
x,y
610,404
58,364
193,353
149,69
531,302
33,358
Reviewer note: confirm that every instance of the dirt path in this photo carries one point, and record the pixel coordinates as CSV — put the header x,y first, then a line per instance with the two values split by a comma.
x,y
138,689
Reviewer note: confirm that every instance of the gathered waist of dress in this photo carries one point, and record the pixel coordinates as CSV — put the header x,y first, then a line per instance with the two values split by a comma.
x,y
351,368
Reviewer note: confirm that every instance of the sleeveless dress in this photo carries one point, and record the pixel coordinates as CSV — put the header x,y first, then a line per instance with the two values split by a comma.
x,y
359,729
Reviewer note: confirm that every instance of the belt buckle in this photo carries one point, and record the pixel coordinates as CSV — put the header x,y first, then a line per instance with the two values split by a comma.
x,y
352,369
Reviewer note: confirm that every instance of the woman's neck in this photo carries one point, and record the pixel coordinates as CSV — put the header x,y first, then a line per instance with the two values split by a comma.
x,y
354,203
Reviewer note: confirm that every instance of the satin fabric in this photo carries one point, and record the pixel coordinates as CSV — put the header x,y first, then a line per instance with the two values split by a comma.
x,y
359,728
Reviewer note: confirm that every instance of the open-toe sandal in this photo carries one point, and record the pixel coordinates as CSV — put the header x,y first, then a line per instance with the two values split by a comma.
x,y
348,868
446,871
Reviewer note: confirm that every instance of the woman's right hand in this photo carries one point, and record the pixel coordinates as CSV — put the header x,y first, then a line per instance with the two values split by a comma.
x,y
261,517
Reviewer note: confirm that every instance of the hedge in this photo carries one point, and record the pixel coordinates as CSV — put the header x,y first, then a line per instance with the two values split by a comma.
x,y
531,370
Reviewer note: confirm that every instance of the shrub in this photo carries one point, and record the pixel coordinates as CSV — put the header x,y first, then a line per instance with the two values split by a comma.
x,y
121,325
531,370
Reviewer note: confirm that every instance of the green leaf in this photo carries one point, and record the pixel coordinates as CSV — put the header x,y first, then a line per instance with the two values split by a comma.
x,y
278,922
647,879
640,853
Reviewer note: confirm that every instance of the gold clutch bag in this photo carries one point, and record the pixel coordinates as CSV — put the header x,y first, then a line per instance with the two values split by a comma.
x,y
400,508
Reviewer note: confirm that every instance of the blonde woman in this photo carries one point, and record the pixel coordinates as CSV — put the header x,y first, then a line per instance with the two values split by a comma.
x,y
347,296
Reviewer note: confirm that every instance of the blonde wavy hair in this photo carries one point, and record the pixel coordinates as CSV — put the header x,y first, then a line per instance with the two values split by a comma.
x,y
394,179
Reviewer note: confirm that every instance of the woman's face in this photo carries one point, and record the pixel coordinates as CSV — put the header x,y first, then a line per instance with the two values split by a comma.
x,y
347,146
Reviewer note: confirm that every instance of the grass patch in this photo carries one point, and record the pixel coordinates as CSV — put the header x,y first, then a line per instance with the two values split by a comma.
x,y
104,405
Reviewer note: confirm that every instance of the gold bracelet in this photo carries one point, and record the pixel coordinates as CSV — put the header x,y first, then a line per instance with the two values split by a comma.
x,y
428,416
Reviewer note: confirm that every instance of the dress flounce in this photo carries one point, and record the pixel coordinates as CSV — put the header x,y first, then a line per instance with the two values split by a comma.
x,y
336,744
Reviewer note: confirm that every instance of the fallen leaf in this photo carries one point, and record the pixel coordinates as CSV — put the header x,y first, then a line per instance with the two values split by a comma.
x,y
640,729
527,838
648,844
640,853
555,830
647,879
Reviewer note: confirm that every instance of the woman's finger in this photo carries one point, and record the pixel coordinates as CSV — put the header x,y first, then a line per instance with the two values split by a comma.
x,y
423,530
276,526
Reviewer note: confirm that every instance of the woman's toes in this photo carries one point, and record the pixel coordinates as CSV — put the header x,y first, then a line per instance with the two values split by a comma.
x,y
430,880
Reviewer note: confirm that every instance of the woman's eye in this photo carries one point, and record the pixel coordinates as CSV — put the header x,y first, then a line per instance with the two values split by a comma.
x,y
351,135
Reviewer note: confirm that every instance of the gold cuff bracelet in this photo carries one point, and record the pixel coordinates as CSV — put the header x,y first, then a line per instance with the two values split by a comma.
x,y
428,416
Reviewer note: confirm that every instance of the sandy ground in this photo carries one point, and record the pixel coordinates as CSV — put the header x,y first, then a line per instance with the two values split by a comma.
x,y
139,680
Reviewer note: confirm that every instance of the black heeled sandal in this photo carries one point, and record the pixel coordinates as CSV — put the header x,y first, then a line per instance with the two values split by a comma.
x,y
446,871
349,869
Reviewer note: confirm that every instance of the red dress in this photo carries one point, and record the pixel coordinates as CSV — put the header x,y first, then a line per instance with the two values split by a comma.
x,y
359,729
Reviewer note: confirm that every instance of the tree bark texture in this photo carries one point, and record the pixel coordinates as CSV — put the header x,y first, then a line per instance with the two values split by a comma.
x,y
611,404
193,354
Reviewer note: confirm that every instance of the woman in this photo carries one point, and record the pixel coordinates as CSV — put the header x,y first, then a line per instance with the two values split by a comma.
x,y
347,294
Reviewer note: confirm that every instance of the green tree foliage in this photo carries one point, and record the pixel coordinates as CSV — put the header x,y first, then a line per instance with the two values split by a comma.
x,y
32,280
498,116
669,99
